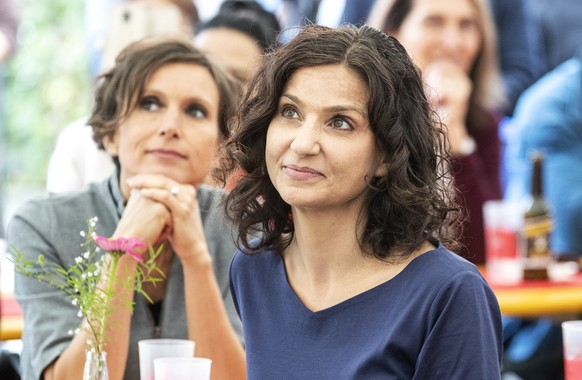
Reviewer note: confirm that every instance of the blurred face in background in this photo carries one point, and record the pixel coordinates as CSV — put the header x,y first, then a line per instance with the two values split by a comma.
x,y
437,30
235,51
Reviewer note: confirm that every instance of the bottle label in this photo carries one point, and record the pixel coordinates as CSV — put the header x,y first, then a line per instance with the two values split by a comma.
x,y
537,242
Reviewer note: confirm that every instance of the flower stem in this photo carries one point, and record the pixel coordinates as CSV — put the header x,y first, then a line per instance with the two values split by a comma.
x,y
108,293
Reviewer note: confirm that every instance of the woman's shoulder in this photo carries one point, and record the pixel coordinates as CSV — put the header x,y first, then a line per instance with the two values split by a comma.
x,y
61,203
252,259
64,212
441,265
51,225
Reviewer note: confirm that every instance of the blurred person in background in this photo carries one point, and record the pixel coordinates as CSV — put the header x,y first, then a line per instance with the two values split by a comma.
x,y
454,45
519,47
9,19
292,13
238,36
560,26
548,119
356,11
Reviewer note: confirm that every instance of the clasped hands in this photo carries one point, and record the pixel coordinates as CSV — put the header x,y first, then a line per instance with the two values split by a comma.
x,y
160,209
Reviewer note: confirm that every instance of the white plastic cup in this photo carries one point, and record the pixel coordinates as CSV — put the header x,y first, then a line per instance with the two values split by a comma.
x,y
182,368
503,222
151,349
572,342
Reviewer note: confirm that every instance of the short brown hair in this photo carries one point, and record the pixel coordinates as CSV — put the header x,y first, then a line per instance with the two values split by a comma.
x,y
120,88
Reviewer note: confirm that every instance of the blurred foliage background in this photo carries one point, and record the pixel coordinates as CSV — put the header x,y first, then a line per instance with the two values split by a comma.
x,y
47,86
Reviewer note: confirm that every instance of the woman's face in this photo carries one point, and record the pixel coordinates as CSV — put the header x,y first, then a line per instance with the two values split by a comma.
x,y
320,148
437,30
173,129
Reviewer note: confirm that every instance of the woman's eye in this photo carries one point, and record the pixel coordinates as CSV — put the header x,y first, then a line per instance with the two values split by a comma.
x,y
289,113
196,111
469,25
433,22
150,104
340,124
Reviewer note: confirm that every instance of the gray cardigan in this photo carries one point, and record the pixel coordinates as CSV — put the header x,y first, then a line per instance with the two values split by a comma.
x,y
51,225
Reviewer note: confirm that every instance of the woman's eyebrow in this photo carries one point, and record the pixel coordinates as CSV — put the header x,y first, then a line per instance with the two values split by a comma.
x,y
330,109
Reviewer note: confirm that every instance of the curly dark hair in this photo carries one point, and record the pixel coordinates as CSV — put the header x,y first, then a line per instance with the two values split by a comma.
x,y
120,88
412,203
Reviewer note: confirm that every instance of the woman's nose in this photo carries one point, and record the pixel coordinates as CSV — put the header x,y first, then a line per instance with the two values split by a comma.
x,y
306,141
171,123
452,39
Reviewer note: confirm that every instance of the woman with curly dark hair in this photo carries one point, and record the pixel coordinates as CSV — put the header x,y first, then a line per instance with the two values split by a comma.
x,y
343,211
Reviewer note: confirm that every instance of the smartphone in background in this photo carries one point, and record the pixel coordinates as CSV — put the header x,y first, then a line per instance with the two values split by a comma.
x,y
131,21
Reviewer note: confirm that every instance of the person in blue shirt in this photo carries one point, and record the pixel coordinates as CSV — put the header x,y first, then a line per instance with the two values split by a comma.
x,y
345,212
547,119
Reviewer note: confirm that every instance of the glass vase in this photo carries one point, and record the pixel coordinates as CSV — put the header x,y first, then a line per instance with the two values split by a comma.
x,y
95,366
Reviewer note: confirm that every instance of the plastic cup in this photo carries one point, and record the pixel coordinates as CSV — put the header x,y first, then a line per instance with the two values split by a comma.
x,y
503,222
151,349
182,368
572,342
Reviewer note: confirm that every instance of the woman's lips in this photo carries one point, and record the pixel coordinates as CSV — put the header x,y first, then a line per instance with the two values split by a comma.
x,y
301,173
166,153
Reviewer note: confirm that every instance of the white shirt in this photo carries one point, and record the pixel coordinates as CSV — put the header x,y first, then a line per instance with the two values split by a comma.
x,y
76,160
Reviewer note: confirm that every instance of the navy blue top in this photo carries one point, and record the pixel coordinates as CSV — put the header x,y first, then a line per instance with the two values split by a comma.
x,y
437,319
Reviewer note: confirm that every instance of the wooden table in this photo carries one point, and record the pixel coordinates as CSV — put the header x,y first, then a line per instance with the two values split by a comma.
x,y
526,299
11,322
541,298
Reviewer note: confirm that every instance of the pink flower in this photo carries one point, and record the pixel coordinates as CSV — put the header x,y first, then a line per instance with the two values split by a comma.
x,y
121,245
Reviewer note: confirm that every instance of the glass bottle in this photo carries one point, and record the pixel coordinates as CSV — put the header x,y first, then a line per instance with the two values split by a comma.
x,y
95,366
537,227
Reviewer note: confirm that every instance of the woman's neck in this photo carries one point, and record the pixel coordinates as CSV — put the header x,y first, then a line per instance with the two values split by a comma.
x,y
326,230
325,264
325,244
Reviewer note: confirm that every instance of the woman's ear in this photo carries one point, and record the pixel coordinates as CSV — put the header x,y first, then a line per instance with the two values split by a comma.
x,y
382,169
382,166
395,33
110,144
